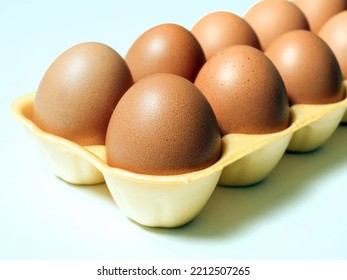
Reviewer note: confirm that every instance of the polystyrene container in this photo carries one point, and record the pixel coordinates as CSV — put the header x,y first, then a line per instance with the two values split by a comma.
x,y
171,201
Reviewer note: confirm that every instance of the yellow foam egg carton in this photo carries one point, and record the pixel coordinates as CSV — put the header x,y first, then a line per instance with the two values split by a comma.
x,y
171,201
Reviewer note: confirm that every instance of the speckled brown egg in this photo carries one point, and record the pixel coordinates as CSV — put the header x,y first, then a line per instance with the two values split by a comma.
x,y
221,29
308,67
334,33
165,48
319,11
271,18
163,125
245,91
79,91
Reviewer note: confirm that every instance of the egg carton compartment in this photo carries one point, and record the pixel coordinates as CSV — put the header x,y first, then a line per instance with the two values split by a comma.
x,y
171,201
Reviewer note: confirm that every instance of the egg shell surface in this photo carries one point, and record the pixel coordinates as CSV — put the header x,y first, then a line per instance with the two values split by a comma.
x,y
271,18
163,125
77,94
245,91
165,48
318,12
308,67
334,33
221,29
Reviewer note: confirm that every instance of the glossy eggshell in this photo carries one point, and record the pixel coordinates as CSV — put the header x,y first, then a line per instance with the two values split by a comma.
x,y
165,48
308,67
221,29
319,11
334,33
163,125
271,18
245,91
79,91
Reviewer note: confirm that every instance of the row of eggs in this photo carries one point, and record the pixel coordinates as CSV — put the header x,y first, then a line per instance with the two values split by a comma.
x,y
163,109
168,124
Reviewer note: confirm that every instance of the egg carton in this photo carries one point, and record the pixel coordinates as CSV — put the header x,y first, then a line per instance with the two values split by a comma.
x,y
171,201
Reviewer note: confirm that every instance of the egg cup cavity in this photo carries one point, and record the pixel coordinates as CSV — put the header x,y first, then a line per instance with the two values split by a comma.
x,y
317,124
171,201
157,204
162,201
265,151
70,166
64,157
311,126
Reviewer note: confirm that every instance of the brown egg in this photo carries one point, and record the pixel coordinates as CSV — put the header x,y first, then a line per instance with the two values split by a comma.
x,y
163,125
165,48
245,91
271,18
79,91
222,29
334,33
319,11
308,67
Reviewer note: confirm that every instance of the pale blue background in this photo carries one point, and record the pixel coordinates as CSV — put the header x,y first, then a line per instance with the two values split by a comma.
x,y
298,212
